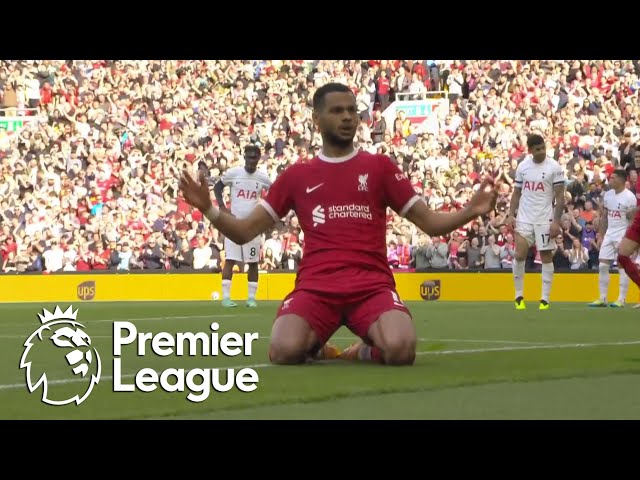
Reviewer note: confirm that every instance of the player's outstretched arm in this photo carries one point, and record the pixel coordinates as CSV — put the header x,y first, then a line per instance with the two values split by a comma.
x,y
604,221
238,230
440,223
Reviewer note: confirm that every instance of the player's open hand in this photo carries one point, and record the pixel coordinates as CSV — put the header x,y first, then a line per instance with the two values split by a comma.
x,y
484,200
195,191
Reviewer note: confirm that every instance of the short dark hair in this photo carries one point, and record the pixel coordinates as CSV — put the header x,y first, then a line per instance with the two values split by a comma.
x,y
534,140
323,91
252,149
621,173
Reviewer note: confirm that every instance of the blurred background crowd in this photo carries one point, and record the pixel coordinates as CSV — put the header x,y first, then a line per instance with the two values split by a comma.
x,y
89,180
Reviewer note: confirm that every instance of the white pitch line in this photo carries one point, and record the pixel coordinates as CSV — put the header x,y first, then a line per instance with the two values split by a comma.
x,y
461,340
212,317
530,347
24,337
126,375
232,315
435,352
109,320
508,342
515,342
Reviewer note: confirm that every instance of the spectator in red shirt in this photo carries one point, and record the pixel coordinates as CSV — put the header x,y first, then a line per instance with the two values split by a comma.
x,y
100,258
382,90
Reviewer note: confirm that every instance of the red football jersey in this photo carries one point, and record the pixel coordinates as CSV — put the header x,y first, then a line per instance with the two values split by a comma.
x,y
341,206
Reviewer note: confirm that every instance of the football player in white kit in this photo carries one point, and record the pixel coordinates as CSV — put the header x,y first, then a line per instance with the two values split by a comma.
x,y
619,209
539,180
246,185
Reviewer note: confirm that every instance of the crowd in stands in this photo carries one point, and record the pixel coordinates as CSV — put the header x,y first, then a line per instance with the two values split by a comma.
x,y
90,181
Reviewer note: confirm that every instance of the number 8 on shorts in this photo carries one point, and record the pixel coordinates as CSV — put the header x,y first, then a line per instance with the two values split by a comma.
x,y
251,251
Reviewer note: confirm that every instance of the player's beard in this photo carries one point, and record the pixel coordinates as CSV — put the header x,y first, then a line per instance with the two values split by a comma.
x,y
338,141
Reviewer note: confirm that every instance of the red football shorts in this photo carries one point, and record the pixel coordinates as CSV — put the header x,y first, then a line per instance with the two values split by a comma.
x,y
326,315
633,232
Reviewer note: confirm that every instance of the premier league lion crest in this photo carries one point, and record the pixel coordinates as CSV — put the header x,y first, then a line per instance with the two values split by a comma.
x,y
61,349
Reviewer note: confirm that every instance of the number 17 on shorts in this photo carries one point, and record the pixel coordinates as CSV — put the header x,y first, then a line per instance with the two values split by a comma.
x,y
536,233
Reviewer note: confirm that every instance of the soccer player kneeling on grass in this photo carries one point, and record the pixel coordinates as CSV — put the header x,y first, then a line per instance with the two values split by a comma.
x,y
341,197
619,209
539,179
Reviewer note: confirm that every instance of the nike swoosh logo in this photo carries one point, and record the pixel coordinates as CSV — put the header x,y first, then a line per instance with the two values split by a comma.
x,y
309,190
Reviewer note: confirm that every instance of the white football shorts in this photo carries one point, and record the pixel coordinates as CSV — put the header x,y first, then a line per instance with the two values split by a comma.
x,y
247,253
537,233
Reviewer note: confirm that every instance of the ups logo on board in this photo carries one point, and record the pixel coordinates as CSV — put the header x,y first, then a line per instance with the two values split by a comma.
x,y
87,290
430,290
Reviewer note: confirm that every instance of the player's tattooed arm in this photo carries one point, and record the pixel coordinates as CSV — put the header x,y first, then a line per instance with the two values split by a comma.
x,y
513,205
558,191
515,201
241,231
604,221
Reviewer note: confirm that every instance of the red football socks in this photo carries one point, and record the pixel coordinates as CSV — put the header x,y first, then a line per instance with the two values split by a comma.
x,y
369,353
376,355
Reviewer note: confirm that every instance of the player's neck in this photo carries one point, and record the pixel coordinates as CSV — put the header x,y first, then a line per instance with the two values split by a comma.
x,y
337,156
619,190
336,151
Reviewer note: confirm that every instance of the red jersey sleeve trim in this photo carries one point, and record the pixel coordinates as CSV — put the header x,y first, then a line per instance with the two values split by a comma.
x,y
408,205
269,209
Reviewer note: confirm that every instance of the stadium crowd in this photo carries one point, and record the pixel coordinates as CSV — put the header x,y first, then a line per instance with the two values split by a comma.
x,y
91,183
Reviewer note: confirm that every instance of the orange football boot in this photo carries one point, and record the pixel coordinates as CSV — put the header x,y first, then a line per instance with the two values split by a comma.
x,y
352,352
328,352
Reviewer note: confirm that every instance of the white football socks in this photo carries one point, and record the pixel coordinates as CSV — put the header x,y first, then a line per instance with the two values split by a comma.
x,y
253,288
624,286
518,277
603,281
226,289
547,280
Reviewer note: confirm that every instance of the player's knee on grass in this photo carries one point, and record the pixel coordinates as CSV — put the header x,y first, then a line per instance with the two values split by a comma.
x,y
291,340
394,333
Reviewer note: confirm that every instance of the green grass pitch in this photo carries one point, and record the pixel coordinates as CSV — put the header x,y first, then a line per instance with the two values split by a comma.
x,y
475,361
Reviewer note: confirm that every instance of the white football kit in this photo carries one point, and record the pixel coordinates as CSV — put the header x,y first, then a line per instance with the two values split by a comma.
x,y
617,205
246,190
535,211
